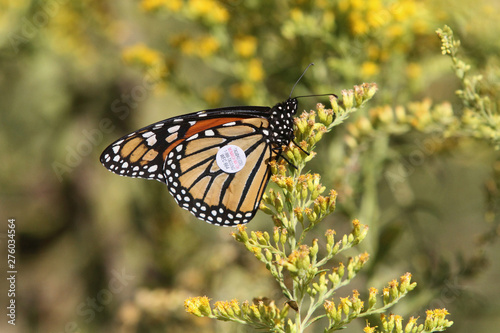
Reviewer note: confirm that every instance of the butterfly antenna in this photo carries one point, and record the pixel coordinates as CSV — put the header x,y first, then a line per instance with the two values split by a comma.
x,y
318,95
305,70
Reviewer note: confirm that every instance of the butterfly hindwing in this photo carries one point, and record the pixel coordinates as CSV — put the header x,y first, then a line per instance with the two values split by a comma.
x,y
198,184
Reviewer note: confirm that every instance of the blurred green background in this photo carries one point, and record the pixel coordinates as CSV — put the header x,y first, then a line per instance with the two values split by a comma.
x,y
102,253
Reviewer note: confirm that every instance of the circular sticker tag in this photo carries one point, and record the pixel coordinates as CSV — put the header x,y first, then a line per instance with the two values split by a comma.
x,y
231,158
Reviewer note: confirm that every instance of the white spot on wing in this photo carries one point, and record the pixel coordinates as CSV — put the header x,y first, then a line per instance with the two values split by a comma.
x,y
173,129
151,140
192,137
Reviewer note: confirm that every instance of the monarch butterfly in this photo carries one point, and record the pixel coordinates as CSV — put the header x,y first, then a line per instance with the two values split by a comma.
x,y
214,162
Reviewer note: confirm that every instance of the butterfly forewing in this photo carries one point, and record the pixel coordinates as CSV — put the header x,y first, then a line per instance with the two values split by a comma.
x,y
142,153
183,153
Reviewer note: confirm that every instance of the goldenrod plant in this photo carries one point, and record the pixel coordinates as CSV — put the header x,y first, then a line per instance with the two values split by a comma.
x,y
480,117
303,268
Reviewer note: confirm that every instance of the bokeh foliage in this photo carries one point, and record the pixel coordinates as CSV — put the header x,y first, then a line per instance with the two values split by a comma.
x,y
76,75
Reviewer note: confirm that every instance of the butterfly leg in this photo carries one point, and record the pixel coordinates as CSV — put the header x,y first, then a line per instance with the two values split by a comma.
x,y
305,152
279,154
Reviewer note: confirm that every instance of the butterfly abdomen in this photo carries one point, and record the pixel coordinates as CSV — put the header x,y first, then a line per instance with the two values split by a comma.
x,y
281,122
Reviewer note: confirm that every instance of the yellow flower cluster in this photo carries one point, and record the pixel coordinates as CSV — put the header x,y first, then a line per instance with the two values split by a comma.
x,y
199,306
251,72
365,16
260,312
148,60
309,23
202,47
255,70
243,90
141,54
394,25
435,321
207,10
422,116
151,5
212,95
245,46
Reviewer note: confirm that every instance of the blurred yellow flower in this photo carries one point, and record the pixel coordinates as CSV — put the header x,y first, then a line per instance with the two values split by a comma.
x,y
357,4
150,61
372,5
188,46
296,14
142,54
201,46
402,10
255,70
358,24
413,70
420,27
421,113
369,68
200,7
322,3
151,5
395,30
377,18
245,46
242,90
328,20
220,14
373,51
208,9
148,5
343,5
212,95
207,46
